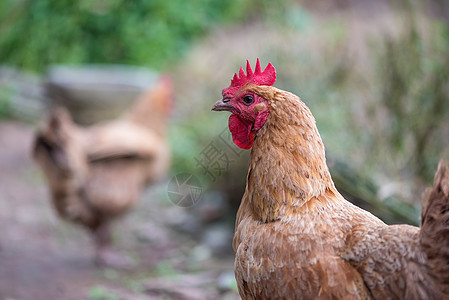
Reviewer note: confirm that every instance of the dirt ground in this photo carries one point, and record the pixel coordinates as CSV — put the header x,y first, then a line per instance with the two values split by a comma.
x,y
42,257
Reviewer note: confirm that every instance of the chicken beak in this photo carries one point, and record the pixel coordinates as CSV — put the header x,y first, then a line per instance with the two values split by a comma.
x,y
220,105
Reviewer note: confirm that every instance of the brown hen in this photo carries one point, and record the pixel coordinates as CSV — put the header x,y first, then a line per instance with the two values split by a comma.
x,y
96,174
296,236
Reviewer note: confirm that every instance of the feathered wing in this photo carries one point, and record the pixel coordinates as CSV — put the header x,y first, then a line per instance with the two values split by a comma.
x,y
122,157
402,261
389,260
120,139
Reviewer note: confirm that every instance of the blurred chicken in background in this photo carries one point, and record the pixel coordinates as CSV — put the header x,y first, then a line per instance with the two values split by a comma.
x,y
97,173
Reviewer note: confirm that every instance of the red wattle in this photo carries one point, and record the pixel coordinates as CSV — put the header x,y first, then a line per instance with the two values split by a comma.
x,y
241,132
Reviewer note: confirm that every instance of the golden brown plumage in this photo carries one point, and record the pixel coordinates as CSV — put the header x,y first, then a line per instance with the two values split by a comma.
x,y
97,173
298,238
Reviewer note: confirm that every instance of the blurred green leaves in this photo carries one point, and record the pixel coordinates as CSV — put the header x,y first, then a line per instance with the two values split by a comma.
x,y
5,104
34,34
415,93
101,293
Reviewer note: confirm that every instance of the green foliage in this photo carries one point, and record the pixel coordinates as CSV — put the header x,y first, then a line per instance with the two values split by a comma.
x,y
414,91
5,102
153,33
165,269
101,293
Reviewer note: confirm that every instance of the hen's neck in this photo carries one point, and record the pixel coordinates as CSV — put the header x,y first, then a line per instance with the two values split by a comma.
x,y
287,165
150,111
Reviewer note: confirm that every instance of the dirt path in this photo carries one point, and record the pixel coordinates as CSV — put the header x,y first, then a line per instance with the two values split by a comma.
x,y
42,257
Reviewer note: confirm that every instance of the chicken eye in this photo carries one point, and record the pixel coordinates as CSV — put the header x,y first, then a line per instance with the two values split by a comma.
x,y
248,100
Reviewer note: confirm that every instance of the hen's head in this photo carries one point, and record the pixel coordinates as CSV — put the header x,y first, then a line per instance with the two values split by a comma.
x,y
249,110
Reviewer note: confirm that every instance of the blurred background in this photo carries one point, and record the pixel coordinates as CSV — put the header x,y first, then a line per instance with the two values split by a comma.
x,y
375,74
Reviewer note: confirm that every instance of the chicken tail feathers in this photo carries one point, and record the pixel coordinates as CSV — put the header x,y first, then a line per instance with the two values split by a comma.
x,y
55,147
434,234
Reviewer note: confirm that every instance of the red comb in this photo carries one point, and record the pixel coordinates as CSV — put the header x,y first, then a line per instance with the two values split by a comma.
x,y
258,77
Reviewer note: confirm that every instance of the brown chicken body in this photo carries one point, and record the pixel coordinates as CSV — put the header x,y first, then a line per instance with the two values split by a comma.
x,y
297,237
96,174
